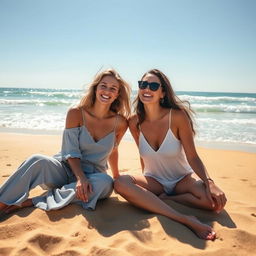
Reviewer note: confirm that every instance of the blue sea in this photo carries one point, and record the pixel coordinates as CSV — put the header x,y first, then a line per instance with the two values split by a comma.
x,y
225,120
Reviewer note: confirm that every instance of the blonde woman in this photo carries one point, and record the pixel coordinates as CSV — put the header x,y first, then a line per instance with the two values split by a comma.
x,y
77,174
163,130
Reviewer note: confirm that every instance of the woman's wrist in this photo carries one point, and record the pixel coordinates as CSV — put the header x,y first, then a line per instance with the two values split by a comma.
x,y
208,181
81,178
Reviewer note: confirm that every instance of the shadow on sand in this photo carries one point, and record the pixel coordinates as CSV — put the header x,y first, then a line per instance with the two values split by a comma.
x,y
112,216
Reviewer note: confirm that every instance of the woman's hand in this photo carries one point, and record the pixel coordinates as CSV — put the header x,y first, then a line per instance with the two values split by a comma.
x,y
83,189
216,196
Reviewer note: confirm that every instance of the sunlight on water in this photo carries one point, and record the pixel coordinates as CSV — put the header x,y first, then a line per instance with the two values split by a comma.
x,y
220,117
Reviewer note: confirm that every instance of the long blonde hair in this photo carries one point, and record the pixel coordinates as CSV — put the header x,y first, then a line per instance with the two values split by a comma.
x,y
170,100
121,105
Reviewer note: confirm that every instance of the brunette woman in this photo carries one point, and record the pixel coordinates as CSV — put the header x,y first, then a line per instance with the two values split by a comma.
x,y
163,130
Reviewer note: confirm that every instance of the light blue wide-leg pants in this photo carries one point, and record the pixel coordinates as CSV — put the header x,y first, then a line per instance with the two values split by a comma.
x,y
56,176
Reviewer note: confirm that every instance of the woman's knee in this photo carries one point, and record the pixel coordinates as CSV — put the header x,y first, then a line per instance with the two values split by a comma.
x,y
121,183
31,164
36,158
42,165
213,207
205,202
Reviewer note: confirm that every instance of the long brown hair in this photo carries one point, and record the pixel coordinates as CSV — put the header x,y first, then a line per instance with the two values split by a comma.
x,y
170,100
121,105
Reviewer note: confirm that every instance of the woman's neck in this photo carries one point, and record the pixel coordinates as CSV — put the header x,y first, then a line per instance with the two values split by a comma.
x,y
99,111
154,112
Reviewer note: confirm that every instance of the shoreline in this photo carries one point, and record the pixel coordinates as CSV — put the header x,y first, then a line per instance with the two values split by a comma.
x,y
219,145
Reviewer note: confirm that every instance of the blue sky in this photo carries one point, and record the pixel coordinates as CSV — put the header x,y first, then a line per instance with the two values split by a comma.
x,y
201,45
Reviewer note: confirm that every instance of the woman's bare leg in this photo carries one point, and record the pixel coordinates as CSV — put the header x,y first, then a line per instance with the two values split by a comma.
x,y
190,191
142,192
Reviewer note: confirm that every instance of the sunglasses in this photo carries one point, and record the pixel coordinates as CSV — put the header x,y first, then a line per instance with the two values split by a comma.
x,y
152,86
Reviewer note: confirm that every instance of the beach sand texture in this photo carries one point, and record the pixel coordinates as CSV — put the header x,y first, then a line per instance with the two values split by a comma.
x,y
118,228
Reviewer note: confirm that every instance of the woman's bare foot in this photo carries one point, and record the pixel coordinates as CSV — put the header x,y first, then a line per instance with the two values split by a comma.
x,y
201,230
12,208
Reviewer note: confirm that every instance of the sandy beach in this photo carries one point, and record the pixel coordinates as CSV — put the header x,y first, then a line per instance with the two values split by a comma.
x,y
117,228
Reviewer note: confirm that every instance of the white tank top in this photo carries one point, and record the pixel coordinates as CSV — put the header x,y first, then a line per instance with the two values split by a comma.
x,y
168,164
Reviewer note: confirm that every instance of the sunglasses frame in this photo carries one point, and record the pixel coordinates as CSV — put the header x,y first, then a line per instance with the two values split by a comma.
x,y
153,86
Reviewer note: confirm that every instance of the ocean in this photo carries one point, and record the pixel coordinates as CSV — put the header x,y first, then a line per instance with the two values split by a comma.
x,y
225,120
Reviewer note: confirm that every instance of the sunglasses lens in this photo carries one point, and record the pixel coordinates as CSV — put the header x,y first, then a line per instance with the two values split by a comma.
x,y
154,86
143,84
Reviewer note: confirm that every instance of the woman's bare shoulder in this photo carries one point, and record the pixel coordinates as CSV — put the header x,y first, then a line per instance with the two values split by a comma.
x,y
122,122
181,120
74,117
179,115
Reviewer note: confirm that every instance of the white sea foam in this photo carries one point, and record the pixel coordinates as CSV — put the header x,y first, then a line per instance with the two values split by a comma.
x,y
38,122
224,108
216,99
35,102
228,121
220,117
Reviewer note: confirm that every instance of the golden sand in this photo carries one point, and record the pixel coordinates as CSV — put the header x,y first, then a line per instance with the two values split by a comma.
x,y
118,228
